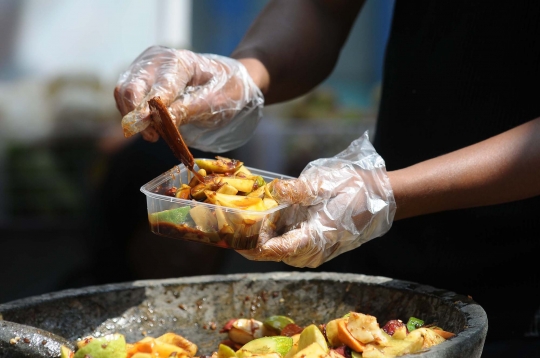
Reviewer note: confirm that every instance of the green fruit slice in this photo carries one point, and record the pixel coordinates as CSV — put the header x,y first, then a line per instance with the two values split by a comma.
x,y
225,351
312,334
173,216
276,323
109,346
266,345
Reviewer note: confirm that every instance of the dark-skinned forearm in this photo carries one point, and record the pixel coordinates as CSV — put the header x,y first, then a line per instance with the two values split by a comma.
x,y
500,169
298,43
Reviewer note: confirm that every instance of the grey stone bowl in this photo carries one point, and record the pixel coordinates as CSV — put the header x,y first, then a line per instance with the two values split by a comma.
x,y
197,307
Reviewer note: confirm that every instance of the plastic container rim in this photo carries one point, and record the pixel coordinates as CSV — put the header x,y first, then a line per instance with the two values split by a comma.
x,y
177,169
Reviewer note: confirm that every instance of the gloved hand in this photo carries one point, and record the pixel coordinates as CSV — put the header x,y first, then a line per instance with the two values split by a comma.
x,y
212,98
344,202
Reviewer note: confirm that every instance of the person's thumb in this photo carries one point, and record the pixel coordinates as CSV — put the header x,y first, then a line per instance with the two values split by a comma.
x,y
291,191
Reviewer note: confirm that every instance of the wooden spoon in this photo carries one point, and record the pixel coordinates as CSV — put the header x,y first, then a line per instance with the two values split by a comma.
x,y
168,131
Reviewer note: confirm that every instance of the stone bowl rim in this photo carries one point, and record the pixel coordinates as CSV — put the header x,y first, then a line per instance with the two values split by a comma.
x,y
474,314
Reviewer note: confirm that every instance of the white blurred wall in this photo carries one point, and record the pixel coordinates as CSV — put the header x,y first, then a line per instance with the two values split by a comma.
x,y
98,36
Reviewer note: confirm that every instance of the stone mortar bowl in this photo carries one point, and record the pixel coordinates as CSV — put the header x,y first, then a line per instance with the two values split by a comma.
x,y
193,306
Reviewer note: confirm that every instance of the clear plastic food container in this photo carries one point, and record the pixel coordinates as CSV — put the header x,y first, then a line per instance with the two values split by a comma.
x,y
208,223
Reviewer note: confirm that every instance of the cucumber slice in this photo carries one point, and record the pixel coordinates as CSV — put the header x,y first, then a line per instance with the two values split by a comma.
x,y
173,216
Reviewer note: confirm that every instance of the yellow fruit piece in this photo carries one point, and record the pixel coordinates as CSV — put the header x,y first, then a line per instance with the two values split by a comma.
x,y
235,201
314,350
179,341
225,352
365,328
227,189
312,334
220,165
243,185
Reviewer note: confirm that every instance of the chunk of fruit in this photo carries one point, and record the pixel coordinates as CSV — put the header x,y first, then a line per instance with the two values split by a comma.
x,y
225,352
365,328
179,341
109,346
312,334
275,324
313,350
220,165
266,345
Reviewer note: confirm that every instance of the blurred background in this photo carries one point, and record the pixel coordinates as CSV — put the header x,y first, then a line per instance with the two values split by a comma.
x,y
71,213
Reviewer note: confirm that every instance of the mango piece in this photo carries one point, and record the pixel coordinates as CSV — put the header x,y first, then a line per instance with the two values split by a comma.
x,y
243,185
179,341
235,201
258,193
243,172
227,189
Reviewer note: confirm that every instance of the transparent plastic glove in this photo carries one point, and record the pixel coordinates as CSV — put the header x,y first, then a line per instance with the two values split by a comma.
x,y
212,98
344,202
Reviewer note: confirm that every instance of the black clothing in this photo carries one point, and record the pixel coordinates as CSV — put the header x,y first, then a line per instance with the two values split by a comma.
x,y
456,73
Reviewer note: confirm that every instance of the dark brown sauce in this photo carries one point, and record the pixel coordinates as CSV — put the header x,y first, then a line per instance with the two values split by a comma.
x,y
185,232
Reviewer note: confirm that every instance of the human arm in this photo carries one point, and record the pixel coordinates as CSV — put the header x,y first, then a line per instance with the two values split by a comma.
x,y
500,169
294,45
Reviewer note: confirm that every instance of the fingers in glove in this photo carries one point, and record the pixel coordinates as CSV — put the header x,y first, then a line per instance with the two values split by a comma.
x,y
157,72
213,102
291,191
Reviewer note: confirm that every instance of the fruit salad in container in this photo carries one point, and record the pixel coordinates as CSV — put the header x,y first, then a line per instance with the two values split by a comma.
x,y
226,204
